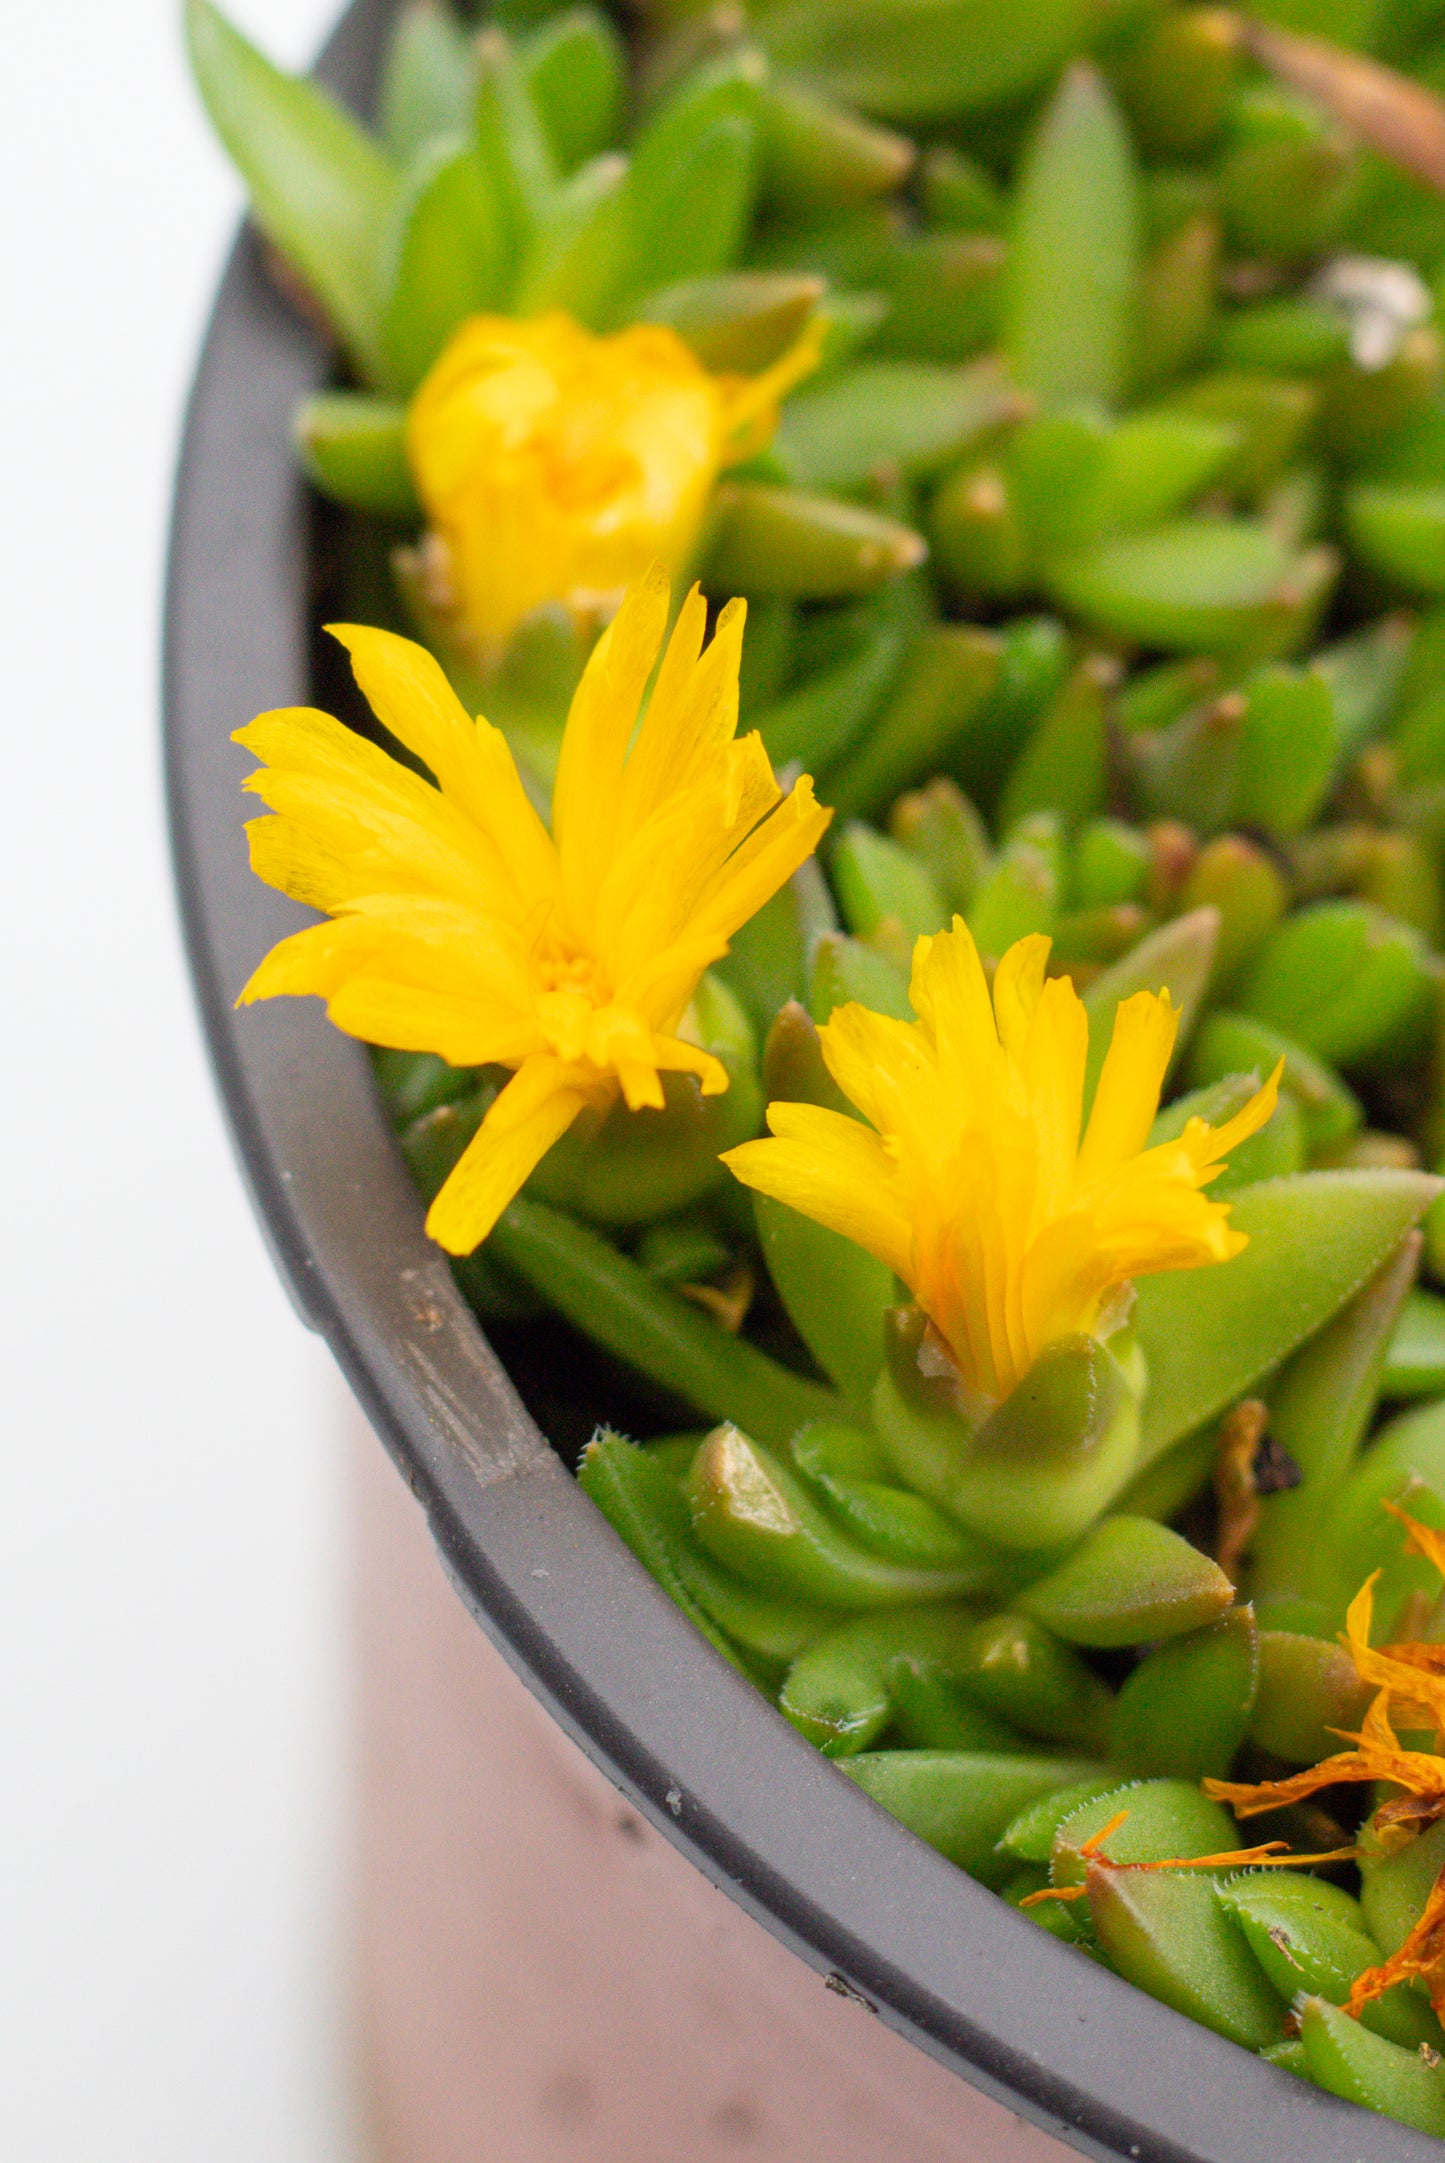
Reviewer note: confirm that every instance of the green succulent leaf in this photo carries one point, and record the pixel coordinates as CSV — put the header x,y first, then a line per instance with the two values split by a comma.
x,y
354,448
917,60
445,257
321,190
575,67
1211,585
1210,1334
912,414
960,1801
1073,294
427,82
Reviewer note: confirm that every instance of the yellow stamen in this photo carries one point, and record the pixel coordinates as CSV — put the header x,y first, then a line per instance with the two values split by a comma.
x,y
555,465
974,1184
460,926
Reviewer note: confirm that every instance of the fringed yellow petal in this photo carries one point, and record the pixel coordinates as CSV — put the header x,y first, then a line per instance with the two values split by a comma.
x,y
664,985
949,993
310,963
388,825
673,1056
692,714
284,855
829,1168
303,740
1201,1151
1215,1145
586,794
1018,986
877,1062
379,1010
472,761
533,1111
406,689
1127,1097
384,850
414,984
1051,1060
755,870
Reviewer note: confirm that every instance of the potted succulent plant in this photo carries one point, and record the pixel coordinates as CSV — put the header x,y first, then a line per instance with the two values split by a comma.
x,y
1013,1405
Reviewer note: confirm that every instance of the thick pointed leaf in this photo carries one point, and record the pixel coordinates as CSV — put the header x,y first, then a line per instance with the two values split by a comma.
x,y
616,1304
575,255
1321,1405
960,1801
912,414
647,1507
1157,462
512,142
1073,276
785,543
694,178
1404,1464
445,258
924,59
1128,1582
1209,1334
1185,1709
321,190
1166,1819
1169,1934
1348,2061
354,449
1217,585
738,323
1400,531
576,69
835,1293
426,82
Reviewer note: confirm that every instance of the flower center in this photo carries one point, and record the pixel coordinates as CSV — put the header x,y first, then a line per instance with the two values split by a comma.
x,y
577,973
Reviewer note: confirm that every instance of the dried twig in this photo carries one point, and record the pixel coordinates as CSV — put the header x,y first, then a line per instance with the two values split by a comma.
x,y
1402,120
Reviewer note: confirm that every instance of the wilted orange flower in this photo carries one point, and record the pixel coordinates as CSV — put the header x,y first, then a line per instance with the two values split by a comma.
x,y
1410,1681
1422,1955
1274,1855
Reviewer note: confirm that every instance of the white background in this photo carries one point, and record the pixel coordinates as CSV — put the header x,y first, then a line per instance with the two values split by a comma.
x,y
172,1673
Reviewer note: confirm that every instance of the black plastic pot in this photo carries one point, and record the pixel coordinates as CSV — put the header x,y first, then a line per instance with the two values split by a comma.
x,y
944,1962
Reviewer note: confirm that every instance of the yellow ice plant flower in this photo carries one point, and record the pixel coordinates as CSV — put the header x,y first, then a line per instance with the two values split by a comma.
x,y
970,1179
461,926
555,465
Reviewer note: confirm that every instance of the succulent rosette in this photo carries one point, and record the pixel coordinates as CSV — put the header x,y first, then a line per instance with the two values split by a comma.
x,y
896,875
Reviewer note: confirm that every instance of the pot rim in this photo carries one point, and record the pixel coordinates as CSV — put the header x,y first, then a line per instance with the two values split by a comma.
x,y
883,1917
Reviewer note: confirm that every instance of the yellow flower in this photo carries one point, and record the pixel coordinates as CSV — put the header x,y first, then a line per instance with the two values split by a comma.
x,y
462,927
973,1185
555,465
